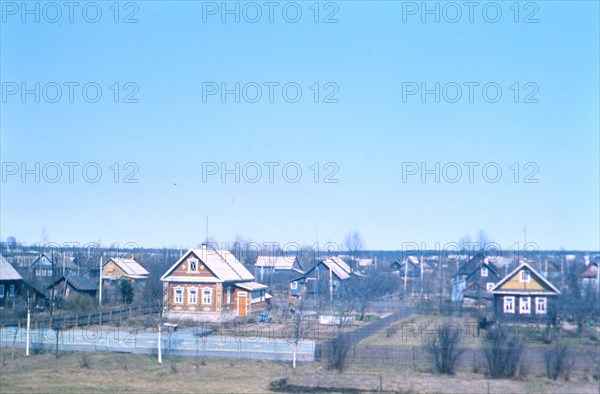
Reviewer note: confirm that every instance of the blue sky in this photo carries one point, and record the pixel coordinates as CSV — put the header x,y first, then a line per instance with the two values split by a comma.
x,y
371,135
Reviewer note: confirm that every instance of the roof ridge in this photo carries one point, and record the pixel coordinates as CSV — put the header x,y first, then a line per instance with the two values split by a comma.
x,y
226,262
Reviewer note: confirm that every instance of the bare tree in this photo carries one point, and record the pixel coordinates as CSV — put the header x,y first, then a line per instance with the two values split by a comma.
x,y
483,239
353,243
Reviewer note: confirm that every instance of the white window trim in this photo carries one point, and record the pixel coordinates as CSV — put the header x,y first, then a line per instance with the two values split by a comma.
x,y
190,301
190,265
512,308
2,290
528,276
294,285
11,291
484,272
204,289
489,286
175,290
541,301
228,296
524,301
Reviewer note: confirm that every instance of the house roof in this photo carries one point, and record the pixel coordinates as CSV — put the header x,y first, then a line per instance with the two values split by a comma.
x,y
478,261
78,283
497,288
7,271
276,262
221,263
591,271
43,260
338,267
130,267
251,286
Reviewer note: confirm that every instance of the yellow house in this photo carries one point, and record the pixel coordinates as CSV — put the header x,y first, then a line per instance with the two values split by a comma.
x,y
120,268
524,294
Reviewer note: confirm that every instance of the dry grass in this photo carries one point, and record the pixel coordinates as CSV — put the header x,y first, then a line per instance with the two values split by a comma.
x,y
407,334
110,372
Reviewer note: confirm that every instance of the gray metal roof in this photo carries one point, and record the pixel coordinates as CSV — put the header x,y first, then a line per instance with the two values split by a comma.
x,y
78,283
7,271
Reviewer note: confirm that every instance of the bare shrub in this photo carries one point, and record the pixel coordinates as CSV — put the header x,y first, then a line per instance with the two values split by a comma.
x,y
338,352
391,331
85,360
559,361
442,349
502,352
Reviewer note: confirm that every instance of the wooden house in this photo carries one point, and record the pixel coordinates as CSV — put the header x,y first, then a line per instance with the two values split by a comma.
x,y
590,277
43,267
11,283
525,295
273,265
69,285
207,284
120,268
323,278
472,284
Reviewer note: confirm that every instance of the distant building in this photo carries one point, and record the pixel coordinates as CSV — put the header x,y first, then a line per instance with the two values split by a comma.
x,y
270,265
590,276
525,295
67,286
207,284
472,284
11,283
323,278
121,268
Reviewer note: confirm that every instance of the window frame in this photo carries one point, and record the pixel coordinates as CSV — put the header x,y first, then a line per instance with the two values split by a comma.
x,y
524,301
11,291
294,285
489,286
205,291
541,301
506,304
177,290
193,290
195,262
2,291
484,272
527,279
228,296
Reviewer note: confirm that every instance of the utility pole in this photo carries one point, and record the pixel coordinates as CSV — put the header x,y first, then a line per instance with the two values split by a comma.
x,y
100,289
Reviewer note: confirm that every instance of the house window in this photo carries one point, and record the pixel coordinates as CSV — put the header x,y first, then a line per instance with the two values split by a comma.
x,y
207,296
540,305
2,291
484,272
178,295
509,304
228,295
489,286
193,296
525,305
525,276
11,291
294,285
193,265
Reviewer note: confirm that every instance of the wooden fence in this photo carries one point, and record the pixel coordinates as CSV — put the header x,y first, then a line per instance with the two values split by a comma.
x,y
70,320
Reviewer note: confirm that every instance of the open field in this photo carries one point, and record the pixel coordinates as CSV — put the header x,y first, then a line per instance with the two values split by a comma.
x,y
110,372
415,329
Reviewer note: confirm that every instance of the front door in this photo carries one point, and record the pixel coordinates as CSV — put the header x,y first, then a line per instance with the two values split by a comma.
x,y
242,303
